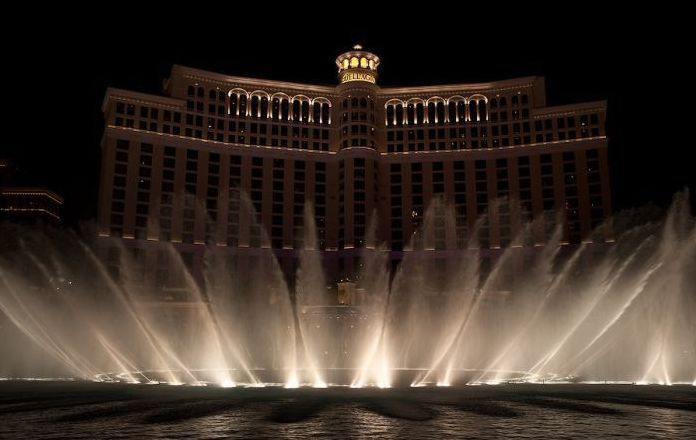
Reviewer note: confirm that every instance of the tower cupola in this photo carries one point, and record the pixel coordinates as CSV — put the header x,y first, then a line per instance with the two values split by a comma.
x,y
357,65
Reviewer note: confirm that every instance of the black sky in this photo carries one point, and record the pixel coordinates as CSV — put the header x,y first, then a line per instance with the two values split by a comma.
x,y
57,67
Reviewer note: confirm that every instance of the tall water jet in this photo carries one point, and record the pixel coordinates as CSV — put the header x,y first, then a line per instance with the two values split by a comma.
x,y
564,316
371,355
310,296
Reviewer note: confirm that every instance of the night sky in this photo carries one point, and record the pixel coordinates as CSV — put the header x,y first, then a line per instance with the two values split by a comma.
x,y
56,70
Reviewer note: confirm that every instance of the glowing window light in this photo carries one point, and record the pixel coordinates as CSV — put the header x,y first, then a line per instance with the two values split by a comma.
x,y
354,62
372,64
363,62
346,62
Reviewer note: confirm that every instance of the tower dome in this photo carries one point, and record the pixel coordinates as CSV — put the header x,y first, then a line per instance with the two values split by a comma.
x,y
357,65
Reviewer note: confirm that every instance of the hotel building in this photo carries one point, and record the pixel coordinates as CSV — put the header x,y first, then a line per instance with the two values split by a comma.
x,y
224,164
26,205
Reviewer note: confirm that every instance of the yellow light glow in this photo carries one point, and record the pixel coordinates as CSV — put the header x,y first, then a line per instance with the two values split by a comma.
x,y
354,62
357,76
363,63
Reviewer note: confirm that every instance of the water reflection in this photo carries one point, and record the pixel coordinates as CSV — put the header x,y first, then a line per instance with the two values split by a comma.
x,y
79,412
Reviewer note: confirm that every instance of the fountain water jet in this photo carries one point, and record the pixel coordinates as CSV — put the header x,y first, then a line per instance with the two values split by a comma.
x,y
563,318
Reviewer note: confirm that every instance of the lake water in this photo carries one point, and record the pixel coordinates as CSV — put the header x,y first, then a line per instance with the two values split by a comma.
x,y
74,410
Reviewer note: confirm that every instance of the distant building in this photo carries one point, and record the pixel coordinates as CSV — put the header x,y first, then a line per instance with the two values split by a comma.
x,y
26,205
180,168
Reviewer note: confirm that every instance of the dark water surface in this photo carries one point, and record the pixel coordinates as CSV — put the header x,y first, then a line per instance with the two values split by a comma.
x,y
73,410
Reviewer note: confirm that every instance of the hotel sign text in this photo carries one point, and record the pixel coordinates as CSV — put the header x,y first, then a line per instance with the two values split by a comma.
x,y
357,76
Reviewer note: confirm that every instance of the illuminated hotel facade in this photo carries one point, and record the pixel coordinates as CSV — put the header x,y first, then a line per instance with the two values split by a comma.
x,y
224,164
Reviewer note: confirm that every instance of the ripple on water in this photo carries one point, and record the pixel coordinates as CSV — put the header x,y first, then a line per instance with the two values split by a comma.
x,y
427,414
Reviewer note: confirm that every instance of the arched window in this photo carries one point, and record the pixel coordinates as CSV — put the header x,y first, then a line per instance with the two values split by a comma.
x,y
345,103
264,108
201,92
399,113
275,108
440,112
238,102
390,107
473,111
515,100
191,91
390,115
354,102
255,106
477,108
316,112
482,111
234,104
242,105
420,113
432,114
452,112
502,102
494,103
321,110
285,110
258,104
304,112
296,110
212,94
525,99
461,110
326,113
279,106
363,103
436,110
410,114
221,96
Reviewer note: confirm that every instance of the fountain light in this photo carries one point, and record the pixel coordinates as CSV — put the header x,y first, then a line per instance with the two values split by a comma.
x,y
383,374
447,379
551,337
293,381
228,383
